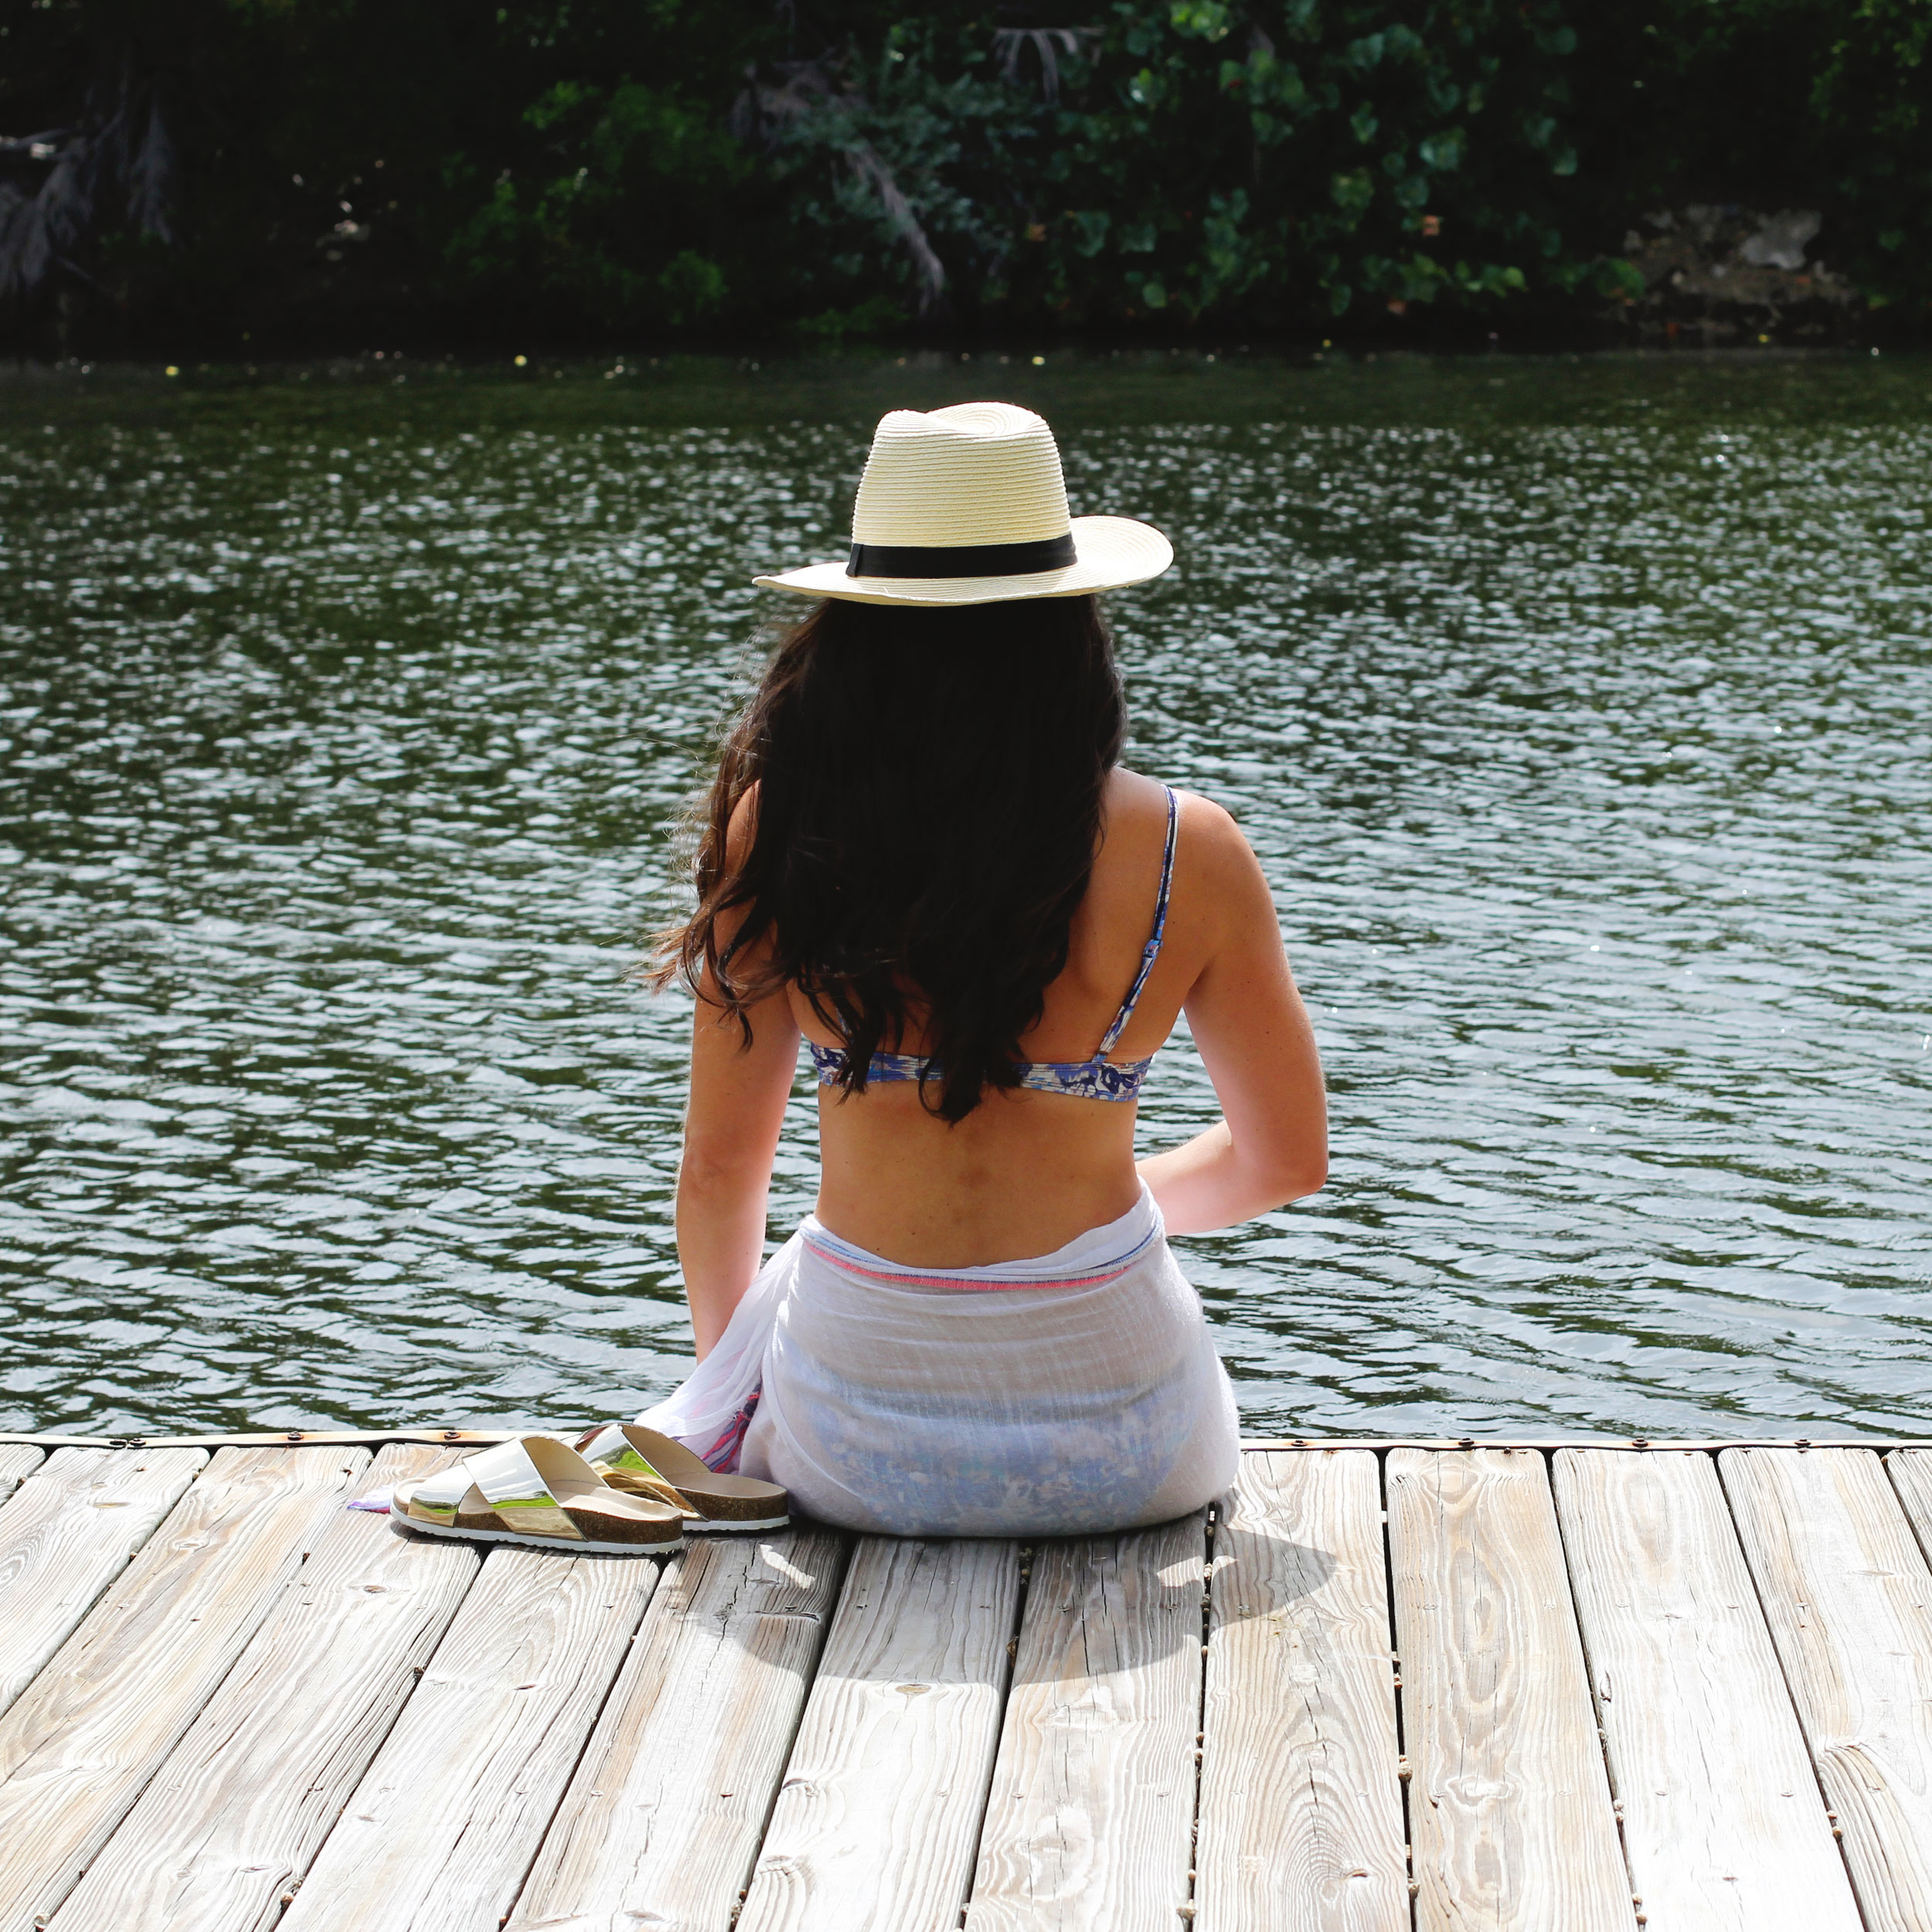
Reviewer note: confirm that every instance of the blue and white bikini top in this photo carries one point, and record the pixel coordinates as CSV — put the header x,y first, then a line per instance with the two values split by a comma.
x,y
1098,1079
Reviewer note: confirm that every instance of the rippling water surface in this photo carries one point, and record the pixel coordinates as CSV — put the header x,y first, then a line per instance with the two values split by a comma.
x,y
1579,713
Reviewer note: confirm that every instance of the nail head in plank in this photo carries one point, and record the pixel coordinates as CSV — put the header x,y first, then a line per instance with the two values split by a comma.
x,y
67,1535
444,1824
1300,1816
876,1820
233,1817
662,1819
1723,1825
1088,1824
1846,1590
87,1735
1509,1808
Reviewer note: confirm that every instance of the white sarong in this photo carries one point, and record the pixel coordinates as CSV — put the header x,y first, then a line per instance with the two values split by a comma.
x,y
1073,1394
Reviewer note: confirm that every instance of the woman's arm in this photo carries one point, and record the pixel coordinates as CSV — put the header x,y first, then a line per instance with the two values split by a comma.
x,y
1272,1144
731,1129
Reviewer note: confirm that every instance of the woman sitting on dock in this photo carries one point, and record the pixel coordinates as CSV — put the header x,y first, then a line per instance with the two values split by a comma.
x,y
920,853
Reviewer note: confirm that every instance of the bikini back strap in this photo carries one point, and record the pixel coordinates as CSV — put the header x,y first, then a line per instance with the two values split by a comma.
x,y
1151,950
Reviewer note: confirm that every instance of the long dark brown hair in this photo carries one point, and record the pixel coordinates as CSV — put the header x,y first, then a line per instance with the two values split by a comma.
x,y
929,802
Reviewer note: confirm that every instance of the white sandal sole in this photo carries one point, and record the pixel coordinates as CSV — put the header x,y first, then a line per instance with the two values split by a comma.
x,y
727,1525
451,1534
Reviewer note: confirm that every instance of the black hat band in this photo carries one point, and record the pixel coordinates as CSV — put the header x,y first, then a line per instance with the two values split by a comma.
x,y
962,560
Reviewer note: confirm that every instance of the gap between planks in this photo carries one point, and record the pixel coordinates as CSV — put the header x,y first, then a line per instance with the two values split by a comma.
x,y
777,1874
460,1438
231,1820
100,1717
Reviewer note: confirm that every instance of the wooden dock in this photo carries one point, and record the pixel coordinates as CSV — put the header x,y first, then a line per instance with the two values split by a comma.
x,y
1438,1686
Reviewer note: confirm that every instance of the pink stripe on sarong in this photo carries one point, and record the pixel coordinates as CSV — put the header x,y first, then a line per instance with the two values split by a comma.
x,y
969,1280
971,1288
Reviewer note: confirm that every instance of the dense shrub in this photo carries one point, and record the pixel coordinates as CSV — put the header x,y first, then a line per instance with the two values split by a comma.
x,y
330,171
1190,158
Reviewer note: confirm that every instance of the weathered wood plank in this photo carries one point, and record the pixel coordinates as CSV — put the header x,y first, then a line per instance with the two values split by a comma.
x,y
443,1826
1509,1808
17,1462
232,1820
1911,1472
66,1536
876,1820
1088,1826
661,1821
1848,1596
1723,1825
1301,1818
370,1438
87,1734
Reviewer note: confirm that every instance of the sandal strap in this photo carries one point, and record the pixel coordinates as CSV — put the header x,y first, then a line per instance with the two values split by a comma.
x,y
504,1475
612,1448
611,1452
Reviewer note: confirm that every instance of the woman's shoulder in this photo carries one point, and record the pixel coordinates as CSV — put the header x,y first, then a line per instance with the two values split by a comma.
x,y
1207,836
1217,894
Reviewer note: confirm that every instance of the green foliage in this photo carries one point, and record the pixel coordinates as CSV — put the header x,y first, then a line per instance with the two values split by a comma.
x,y
1198,160
616,180
540,169
560,169
1874,97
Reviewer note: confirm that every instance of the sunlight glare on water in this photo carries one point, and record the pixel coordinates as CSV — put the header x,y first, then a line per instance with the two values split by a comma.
x,y
341,755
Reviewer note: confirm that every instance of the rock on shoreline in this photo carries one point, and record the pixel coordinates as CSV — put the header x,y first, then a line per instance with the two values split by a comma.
x,y
1719,272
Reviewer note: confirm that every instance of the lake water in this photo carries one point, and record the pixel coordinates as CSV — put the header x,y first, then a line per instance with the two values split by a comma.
x,y
1579,712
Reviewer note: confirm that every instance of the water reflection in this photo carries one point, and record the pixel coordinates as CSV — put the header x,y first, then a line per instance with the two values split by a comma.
x,y
1590,763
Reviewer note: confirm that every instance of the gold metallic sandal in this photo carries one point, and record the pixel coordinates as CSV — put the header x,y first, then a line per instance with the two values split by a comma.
x,y
637,1461
538,1491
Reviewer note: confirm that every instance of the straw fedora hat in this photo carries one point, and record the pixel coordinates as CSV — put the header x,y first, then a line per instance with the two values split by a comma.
x,y
967,505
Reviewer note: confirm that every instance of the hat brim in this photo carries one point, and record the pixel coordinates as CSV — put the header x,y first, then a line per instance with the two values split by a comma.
x,y
1109,553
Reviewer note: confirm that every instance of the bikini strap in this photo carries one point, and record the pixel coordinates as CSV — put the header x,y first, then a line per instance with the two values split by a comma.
x,y
1151,950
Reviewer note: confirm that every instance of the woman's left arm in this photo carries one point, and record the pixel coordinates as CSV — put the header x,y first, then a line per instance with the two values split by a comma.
x,y
731,1129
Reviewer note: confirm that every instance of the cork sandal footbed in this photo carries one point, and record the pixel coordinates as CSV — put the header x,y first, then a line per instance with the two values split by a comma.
x,y
716,1503
547,1498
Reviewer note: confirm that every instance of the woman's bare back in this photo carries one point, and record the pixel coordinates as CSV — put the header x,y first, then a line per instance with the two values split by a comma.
x,y
1028,1171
